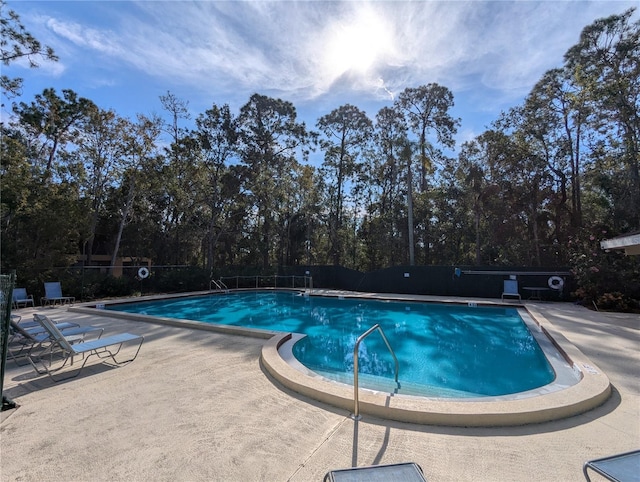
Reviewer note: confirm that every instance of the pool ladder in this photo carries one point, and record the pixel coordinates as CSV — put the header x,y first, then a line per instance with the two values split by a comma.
x,y
356,410
219,285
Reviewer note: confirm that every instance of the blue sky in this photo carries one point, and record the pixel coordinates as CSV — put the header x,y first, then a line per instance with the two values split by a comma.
x,y
317,54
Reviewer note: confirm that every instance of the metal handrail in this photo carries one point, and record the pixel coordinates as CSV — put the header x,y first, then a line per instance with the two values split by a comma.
x,y
356,410
219,284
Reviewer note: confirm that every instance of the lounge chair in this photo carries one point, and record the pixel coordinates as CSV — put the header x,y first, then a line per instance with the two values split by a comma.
x,y
23,340
510,288
21,299
406,472
53,295
65,350
623,467
35,326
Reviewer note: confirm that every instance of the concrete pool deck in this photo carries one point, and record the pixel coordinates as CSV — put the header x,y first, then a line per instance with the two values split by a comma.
x,y
198,405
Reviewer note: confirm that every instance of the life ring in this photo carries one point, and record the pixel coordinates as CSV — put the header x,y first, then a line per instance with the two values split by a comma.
x,y
556,283
143,273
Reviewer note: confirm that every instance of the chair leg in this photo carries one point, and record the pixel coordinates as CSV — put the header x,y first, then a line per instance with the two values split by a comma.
x,y
104,354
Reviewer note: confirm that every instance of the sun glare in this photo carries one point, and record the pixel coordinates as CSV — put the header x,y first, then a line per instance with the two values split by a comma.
x,y
357,45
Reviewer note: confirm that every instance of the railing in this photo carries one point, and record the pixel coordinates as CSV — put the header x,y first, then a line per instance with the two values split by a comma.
x,y
273,281
219,285
356,409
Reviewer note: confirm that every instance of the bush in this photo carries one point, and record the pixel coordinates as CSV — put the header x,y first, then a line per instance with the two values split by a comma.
x,y
611,280
617,301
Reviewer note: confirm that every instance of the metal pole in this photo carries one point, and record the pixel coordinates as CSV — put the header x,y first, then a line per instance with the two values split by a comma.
x,y
356,409
6,285
356,399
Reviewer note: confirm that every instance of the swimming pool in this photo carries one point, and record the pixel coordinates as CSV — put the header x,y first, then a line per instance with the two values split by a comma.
x,y
579,385
443,350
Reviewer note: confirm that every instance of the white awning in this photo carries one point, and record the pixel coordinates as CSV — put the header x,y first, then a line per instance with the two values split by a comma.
x,y
630,243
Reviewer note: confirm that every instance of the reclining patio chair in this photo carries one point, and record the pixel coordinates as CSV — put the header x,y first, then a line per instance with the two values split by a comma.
x,y
24,340
21,299
64,350
53,295
35,326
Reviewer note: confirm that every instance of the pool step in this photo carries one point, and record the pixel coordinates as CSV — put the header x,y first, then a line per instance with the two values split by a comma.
x,y
388,385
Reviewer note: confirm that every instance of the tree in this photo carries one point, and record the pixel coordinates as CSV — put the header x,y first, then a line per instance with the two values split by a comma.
x,y
557,115
346,131
140,154
527,182
477,190
393,176
16,43
427,111
52,121
270,142
605,63
177,109
40,221
179,179
101,149
217,137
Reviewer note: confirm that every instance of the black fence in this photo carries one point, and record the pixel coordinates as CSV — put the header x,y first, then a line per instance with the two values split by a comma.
x,y
90,283
463,281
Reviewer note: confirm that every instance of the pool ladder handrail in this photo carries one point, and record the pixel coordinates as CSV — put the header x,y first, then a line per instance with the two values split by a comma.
x,y
219,285
356,410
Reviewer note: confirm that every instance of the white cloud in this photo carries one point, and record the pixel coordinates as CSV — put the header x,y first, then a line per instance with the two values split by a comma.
x,y
103,41
307,49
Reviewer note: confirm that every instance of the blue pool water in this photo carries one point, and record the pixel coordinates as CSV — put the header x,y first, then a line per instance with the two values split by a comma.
x,y
445,350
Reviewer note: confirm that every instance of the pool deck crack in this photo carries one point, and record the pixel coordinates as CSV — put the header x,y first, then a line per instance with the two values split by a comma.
x,y
319,446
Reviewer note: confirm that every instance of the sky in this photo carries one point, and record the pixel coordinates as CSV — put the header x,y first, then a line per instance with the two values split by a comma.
x,y
319,55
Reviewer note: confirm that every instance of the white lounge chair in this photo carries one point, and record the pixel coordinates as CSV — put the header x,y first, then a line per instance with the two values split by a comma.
x,y
35,326
53,294
63,351
23,340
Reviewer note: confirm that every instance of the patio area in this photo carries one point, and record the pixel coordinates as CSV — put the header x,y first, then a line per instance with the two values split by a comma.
x,y
197,405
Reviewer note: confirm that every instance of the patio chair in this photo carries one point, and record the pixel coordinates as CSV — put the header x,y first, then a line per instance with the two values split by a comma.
x,y
24,340
405,472
53,294
510,288
21,299
63,349
623,467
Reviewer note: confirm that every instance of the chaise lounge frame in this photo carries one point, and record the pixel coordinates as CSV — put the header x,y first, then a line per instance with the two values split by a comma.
x,y
25,338
107,349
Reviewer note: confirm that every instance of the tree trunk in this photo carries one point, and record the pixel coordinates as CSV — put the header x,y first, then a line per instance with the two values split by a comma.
x,y
121,225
